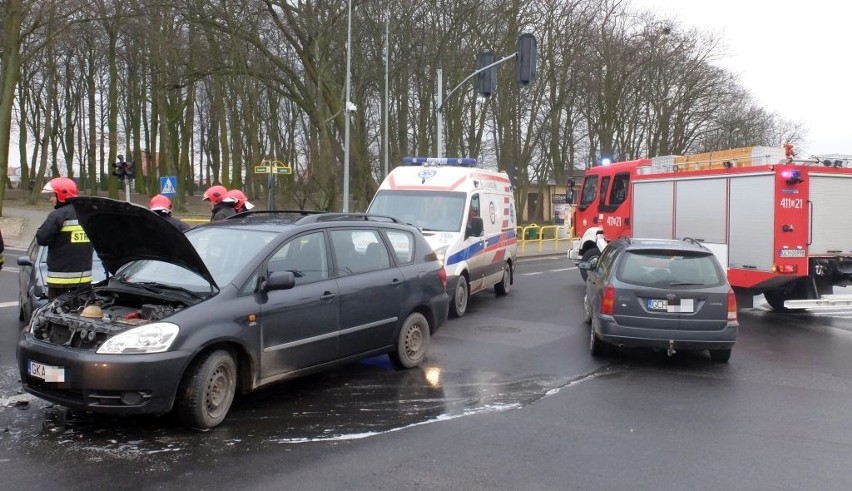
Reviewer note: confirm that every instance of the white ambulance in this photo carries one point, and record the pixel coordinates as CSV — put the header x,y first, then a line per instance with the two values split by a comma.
x,y
467,215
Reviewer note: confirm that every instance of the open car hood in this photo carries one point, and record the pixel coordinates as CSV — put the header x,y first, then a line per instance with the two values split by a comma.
x,y
121,232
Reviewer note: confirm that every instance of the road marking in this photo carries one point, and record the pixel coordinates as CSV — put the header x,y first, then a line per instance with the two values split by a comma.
x,y
8,304
548,271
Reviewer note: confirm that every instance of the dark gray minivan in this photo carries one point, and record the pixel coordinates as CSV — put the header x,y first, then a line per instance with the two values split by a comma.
x,y
662,294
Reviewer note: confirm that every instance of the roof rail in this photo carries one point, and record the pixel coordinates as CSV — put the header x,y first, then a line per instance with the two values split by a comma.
x,y
247,213
697,242
333,216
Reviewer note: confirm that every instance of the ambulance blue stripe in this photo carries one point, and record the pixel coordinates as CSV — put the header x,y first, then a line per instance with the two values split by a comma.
x,y
478,248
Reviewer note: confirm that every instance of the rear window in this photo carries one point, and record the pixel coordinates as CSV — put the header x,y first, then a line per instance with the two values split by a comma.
x,y
669,269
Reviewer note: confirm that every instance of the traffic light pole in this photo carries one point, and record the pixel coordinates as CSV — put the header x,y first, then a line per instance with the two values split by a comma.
x,y
439,106
127,189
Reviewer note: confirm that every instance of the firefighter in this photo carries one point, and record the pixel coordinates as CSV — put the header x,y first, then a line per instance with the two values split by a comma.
x,y
242,203
69,252
162,206
221,205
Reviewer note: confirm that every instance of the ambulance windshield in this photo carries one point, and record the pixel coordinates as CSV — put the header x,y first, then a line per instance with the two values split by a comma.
x,y
431,211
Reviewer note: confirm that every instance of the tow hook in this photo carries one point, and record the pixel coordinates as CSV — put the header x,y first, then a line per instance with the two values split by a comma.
x,y
671,351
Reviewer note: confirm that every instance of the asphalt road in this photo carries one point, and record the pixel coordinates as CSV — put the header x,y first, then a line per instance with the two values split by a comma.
x,y
509,399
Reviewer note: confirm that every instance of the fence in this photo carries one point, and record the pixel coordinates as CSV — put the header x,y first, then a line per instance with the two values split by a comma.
x,y
544,238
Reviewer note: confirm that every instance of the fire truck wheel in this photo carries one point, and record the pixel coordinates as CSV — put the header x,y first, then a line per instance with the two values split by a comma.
x,y
587,256
720,355
458,304
775,299
505,284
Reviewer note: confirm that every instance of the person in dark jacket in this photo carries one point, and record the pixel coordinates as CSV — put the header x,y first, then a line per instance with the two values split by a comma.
x,y
162,206
69,252
222,205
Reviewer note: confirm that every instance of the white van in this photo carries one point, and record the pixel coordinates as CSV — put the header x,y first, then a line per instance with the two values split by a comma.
x,y
467,215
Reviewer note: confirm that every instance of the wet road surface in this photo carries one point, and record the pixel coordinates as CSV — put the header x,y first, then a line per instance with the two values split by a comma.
x,y
511,380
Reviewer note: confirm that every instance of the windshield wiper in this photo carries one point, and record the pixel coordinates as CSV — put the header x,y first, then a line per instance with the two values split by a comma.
x,y
160,288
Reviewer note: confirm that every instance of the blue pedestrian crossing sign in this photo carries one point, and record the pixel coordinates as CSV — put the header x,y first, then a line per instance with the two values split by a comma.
x,y
168,185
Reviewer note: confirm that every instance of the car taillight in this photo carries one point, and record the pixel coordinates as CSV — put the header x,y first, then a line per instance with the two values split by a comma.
x,y
732,306
608,302
443,275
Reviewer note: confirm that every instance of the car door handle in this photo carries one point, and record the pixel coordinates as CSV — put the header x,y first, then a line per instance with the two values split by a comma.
x,y
396,282
327,296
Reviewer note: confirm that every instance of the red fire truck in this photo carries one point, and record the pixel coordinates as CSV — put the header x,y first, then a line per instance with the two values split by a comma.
x,y
783,227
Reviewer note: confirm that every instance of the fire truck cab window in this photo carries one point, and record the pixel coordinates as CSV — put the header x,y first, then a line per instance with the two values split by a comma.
x,y
619,189
604,187
590,188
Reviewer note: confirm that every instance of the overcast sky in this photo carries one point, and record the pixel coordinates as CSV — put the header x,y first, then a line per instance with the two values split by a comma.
x,y
793,57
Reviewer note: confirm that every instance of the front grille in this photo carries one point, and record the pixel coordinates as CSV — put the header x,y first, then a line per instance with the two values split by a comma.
x,y
77,338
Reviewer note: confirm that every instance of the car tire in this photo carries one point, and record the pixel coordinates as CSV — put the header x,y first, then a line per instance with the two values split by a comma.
x,y
21,315
587,309
206,394
412,342
720,355
596,346
505,284
587,256
458,304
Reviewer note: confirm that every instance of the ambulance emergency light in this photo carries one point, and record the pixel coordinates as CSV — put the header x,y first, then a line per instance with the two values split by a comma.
x,y
456,161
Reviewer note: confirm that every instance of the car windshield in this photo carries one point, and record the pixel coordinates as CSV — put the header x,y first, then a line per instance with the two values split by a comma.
x,y
430,211
225,251
669,269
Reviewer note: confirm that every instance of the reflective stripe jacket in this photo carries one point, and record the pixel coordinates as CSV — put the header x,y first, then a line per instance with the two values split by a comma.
x,y
69,252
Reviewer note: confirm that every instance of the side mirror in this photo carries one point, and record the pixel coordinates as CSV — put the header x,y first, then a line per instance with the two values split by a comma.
x,y
24,261
588,265
475,226
279,280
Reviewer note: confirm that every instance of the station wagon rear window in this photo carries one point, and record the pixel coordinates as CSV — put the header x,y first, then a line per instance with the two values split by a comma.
x,y
665,269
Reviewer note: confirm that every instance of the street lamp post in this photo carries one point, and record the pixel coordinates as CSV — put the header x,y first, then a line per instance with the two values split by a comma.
x,y
346,110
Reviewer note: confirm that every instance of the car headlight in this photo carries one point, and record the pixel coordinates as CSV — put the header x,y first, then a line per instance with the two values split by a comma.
x,y
441,252
150,338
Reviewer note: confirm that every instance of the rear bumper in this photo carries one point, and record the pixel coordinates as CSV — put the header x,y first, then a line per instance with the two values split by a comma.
x,y
611,332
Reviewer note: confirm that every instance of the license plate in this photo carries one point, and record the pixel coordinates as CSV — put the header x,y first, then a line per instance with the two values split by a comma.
x,y
792,253
655,304
46,372
686,305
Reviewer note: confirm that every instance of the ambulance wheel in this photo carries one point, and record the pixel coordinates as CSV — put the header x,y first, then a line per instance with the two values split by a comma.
x,y
587,256
458,304
505,284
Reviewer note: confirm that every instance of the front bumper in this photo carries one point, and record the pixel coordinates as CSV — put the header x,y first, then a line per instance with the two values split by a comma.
x,y
609,331
574,250
115,384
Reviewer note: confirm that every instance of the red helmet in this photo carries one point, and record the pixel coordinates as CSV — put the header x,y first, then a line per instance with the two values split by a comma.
x,y
160,203
215,194
62,187
240,199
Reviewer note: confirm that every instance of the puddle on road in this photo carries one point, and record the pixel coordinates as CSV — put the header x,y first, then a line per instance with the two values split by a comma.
x,y
357,401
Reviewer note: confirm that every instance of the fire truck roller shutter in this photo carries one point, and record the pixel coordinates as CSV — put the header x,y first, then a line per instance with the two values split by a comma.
x,y
653,206
751,223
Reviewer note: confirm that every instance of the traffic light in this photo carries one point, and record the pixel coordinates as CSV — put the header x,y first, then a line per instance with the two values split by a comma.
x,y
128,170
486,80
120,170
525,59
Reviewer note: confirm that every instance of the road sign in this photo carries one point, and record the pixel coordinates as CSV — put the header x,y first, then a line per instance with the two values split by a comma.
x,y
261,169
168,185
283,169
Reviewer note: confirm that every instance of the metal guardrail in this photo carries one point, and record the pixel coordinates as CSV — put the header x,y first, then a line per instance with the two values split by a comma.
x,y
546,238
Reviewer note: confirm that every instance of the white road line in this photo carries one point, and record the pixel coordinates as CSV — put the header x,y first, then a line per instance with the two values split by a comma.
x,y
8,304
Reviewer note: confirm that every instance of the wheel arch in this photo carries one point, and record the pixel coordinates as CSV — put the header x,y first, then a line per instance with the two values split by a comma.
x,y
244,361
